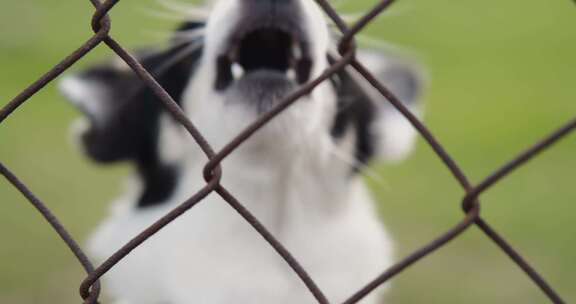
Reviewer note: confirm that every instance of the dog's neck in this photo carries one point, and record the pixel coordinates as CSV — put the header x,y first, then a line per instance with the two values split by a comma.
x,y
282,193
275,180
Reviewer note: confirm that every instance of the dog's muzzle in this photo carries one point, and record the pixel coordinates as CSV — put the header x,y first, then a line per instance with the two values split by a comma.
x,y
269,45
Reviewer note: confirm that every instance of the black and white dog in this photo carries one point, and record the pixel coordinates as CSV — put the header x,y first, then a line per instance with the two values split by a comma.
x,y
299,174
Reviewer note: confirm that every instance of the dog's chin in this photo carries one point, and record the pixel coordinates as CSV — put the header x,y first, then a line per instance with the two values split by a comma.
x,y
261,90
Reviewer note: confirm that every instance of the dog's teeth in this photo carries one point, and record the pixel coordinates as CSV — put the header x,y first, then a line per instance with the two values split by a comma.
x,y
296,51
237,71
291,74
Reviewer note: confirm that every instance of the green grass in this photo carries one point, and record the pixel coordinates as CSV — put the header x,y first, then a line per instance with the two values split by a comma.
x,y
502,76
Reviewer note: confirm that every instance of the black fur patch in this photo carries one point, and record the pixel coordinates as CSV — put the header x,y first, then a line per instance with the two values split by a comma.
x,y
130,129
355,110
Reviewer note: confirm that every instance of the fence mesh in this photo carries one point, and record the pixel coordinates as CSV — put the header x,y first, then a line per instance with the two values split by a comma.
x,y
101,25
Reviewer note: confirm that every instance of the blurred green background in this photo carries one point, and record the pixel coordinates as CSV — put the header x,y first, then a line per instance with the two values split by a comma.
x,y
502,75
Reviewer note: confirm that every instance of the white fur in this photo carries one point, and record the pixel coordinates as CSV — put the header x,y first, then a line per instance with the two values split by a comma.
x,y
86,96
397,135
286,174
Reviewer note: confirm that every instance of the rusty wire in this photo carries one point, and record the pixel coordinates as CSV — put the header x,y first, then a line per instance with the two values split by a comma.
x,y
101,25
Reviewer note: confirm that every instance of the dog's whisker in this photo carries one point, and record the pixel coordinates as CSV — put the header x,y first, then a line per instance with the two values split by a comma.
x,y
179,56
190,34
386,46
399,11
179,38
189,10
371,42
158,35
149,12
351,17
174,6
176,58
338,3
356,164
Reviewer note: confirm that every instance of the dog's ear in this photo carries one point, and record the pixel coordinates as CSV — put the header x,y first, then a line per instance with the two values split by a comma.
x,y
123,115
381,132
394,135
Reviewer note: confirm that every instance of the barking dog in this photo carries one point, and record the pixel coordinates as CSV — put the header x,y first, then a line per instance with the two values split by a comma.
x,y
299,174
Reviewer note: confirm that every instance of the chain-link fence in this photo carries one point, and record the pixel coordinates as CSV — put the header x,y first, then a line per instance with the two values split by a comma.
x,y
101,24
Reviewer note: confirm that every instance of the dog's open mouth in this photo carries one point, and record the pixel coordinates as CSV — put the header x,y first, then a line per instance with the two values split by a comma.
x,y
264,50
